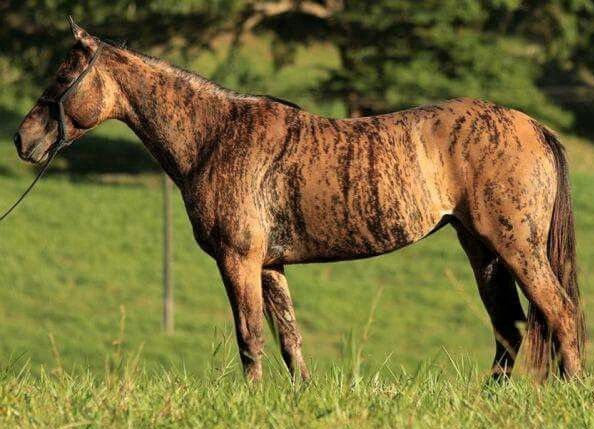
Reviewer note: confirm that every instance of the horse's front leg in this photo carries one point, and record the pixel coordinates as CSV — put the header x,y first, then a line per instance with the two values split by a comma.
x,y
242,277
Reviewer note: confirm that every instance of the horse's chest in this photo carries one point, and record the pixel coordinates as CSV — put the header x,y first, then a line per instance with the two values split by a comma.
x,y
222,215
201,213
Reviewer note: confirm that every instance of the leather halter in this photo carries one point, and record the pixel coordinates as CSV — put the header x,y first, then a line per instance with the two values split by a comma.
x,y
59,102
62,128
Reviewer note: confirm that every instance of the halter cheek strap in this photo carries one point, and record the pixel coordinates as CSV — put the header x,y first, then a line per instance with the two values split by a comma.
x,y
59,102
62,128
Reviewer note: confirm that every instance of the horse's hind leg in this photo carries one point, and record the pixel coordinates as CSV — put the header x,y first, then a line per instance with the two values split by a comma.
x,y
499,294
279,308
542,288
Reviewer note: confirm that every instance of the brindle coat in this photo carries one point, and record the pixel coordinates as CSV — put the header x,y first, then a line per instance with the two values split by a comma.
x,y
266,184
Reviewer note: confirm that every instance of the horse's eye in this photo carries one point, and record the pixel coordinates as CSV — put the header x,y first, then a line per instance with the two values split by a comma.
x,y
63,80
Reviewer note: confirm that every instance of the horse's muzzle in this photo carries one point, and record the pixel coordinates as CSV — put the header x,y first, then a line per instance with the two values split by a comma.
x,y
18,141
35,152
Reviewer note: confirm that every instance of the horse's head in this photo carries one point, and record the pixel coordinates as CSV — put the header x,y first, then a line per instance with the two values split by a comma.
x,y
85,105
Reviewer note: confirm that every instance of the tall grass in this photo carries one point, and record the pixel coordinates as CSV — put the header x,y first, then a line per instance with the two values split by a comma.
x,y
448,391
127,395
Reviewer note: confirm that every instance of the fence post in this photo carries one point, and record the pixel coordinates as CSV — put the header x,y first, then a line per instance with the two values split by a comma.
x,y
168,305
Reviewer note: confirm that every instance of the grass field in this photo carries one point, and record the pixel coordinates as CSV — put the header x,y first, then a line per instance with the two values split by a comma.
x,y
428,397
80,316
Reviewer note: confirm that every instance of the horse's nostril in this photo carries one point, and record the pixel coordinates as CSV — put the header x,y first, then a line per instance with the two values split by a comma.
x,y
17,140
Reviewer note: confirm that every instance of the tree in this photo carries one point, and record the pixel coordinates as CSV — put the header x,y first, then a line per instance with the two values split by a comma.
x,y
565,30
35,34
399,53
534,55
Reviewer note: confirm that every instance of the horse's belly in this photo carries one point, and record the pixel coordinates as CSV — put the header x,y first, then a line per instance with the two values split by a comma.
x,y
349,207
328,229
321,247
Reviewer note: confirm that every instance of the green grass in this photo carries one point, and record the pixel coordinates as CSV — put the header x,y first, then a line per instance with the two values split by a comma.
x,y
428,397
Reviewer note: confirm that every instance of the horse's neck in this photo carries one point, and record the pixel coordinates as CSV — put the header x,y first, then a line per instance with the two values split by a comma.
x,y
176,118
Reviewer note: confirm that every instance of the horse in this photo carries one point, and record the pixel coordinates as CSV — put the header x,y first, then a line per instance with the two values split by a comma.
x,y
267,184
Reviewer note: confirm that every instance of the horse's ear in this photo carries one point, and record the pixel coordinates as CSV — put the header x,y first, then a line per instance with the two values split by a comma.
x,y
79,33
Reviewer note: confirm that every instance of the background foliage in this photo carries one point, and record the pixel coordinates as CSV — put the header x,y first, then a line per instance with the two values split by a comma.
x,y
533,55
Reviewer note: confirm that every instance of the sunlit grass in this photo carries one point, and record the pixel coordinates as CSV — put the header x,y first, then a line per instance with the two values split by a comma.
x,y
430,396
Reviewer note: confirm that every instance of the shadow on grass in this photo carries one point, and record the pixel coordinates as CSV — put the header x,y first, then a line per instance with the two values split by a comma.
x,y
9,121
87,157
103,155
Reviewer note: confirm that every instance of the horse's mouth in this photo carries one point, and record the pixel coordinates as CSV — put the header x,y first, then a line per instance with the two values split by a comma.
x,y
36,155
43,158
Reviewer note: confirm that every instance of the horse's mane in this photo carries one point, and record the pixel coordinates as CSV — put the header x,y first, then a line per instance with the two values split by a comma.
x,y
278,100
191,76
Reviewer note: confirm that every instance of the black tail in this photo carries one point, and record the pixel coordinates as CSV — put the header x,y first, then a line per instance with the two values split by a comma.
x,y
562,257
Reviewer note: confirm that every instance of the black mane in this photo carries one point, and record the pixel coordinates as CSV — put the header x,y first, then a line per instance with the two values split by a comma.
x,y
279,100
122,45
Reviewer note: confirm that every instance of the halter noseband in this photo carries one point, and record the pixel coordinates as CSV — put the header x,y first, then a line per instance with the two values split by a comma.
x,y
62,129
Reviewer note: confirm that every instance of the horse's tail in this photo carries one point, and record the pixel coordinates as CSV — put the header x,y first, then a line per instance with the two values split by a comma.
x,y
562,257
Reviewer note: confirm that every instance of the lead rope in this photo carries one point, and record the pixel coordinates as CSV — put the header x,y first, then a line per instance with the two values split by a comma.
x,y
39,175
62,132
